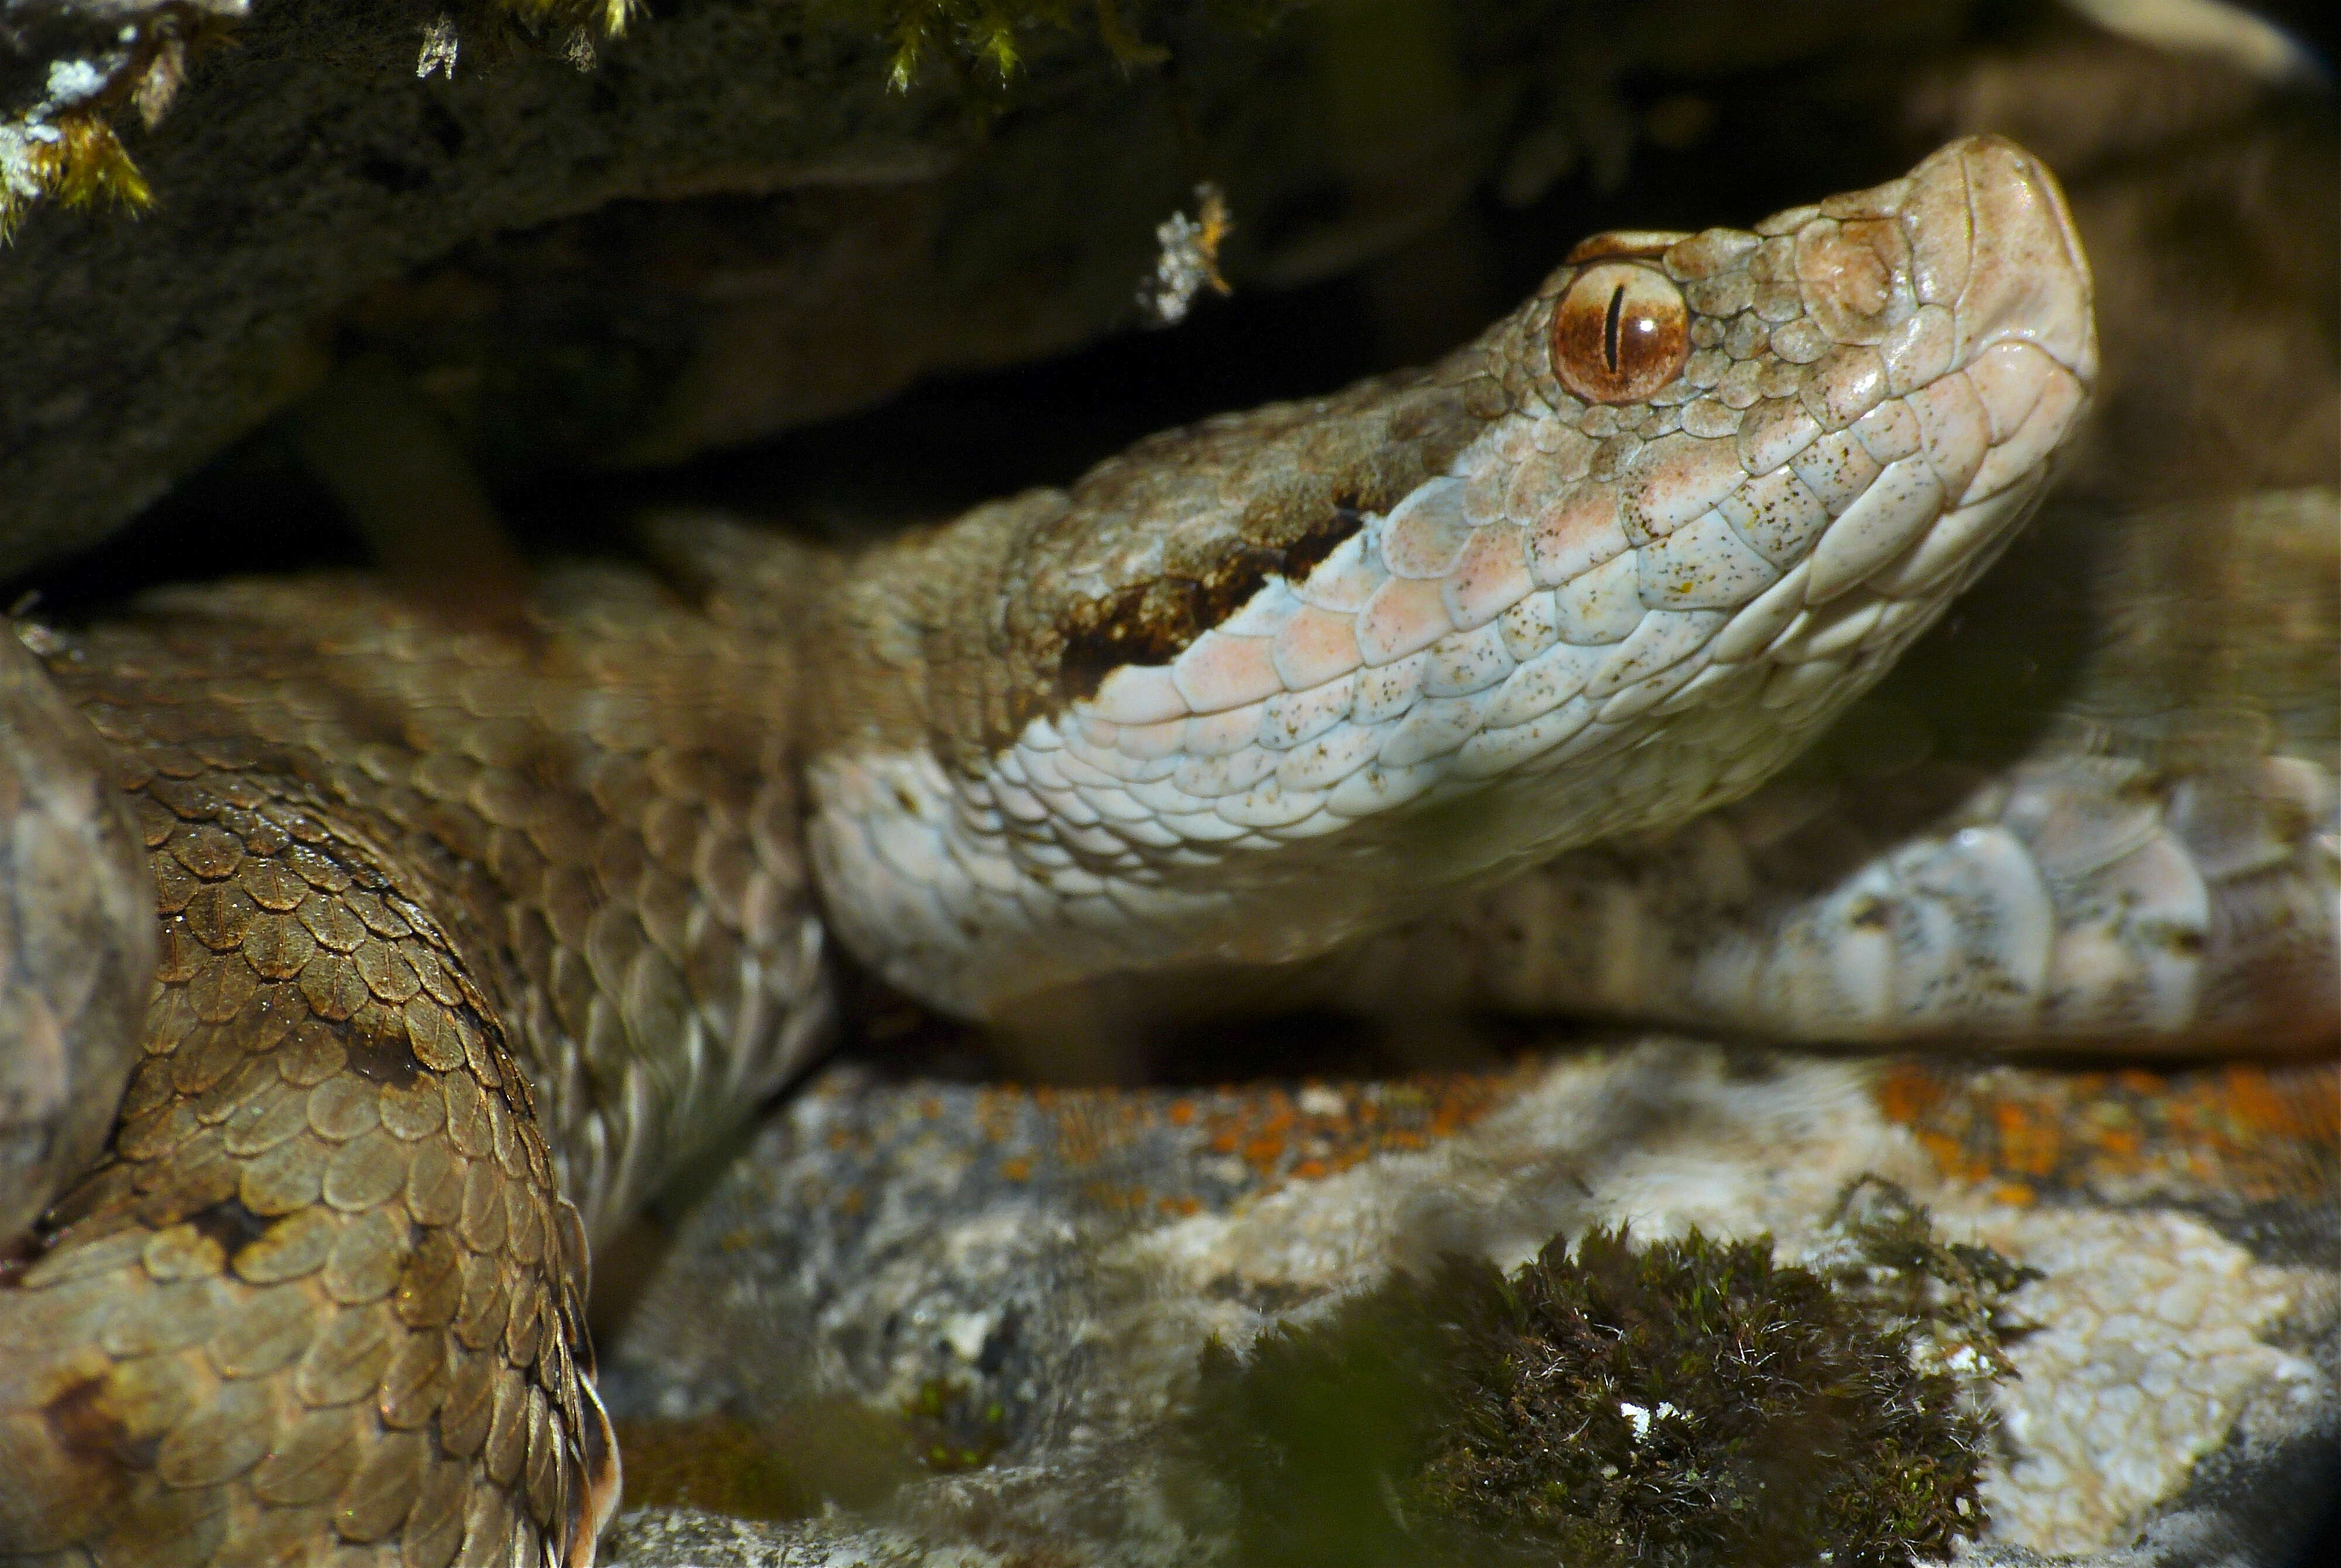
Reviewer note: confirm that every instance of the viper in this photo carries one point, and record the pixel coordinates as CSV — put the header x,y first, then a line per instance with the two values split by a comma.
x,y
366,962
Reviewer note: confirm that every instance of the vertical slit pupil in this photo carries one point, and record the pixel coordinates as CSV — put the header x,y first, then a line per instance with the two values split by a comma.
x,y
1609,327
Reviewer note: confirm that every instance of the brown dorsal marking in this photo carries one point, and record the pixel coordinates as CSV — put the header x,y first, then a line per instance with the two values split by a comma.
x,y
1153,623
231,1225
81,1426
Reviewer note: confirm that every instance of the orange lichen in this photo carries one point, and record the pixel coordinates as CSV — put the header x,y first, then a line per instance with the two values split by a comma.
x,y
2247,1131
1153,1152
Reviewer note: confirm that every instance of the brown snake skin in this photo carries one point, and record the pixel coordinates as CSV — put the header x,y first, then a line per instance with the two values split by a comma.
x,y
379,853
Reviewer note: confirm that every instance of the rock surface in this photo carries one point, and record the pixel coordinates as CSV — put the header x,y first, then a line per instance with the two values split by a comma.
x,y
1012,1288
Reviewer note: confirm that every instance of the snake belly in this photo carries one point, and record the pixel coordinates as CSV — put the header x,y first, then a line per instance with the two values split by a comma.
x,y
469,935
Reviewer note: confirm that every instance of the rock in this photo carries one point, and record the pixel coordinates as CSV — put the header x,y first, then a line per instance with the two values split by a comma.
x,y
1013,1289
730,223
76,940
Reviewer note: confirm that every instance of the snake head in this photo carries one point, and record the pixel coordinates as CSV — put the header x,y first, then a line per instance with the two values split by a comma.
x,y
1267,683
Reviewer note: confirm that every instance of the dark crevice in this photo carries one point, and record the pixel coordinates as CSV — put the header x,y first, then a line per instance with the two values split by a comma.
x,y
233,1226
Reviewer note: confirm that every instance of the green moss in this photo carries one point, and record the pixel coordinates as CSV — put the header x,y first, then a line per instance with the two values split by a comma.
x,y
1691,1402
1948,1296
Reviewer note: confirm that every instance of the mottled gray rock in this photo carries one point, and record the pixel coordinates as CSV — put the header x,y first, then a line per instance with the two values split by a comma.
x,y
1057,1260
76,940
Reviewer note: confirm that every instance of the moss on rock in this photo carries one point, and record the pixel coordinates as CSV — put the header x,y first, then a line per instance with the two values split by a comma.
x,y
1689,1401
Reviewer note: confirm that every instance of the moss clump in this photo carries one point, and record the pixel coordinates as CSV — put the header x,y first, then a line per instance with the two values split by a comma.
x,y
74,158
1691,1402
1886,1258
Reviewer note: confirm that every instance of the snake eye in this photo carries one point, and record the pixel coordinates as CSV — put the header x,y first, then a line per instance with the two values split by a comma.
x,y
1620,334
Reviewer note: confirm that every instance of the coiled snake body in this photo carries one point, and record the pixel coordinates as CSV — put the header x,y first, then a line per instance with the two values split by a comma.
x,y
468,935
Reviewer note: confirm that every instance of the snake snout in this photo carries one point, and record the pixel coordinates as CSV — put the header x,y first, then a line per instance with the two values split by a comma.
x,y
1963,343
1993,241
